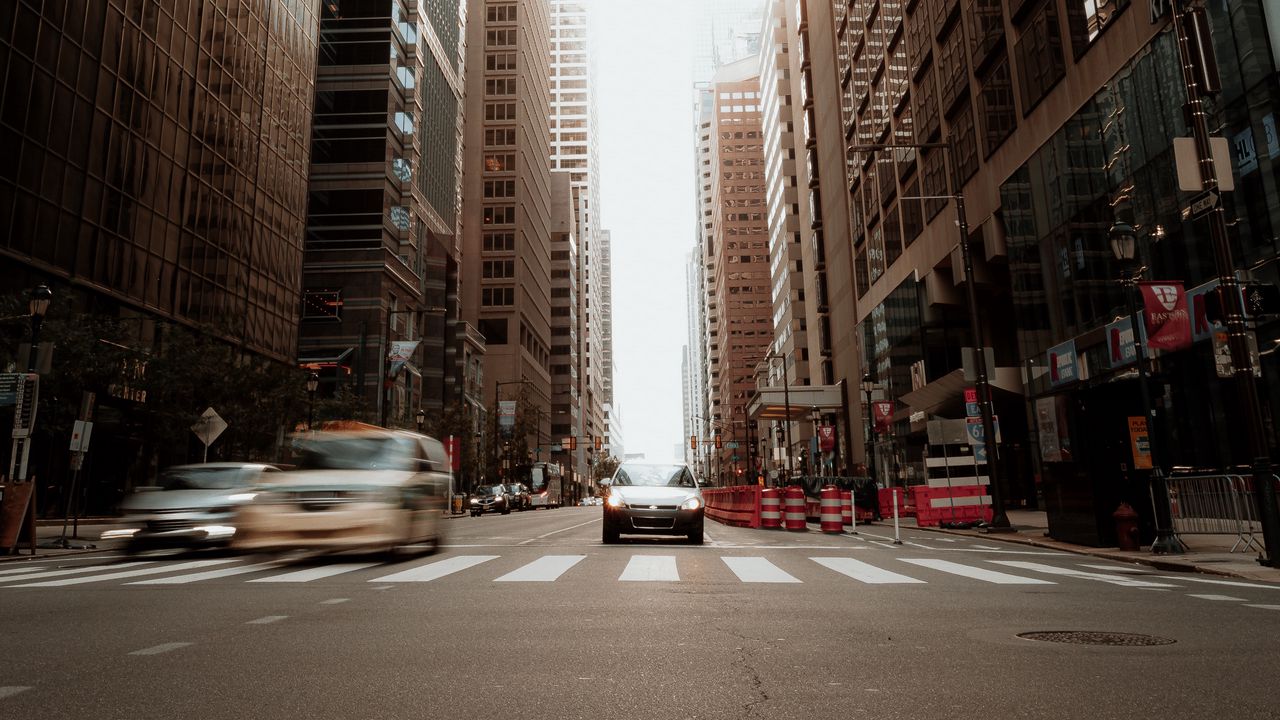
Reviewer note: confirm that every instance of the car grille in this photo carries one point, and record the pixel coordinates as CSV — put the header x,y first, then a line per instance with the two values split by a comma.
x,y
652,523
642,506
161,525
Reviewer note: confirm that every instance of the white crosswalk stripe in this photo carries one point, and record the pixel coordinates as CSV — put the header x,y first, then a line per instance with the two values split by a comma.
x,y
126,574
757,570
1116,568
1120,580
655,568
435,570
13,571
865,572
545,569
983,574
315,573
68,571
209,574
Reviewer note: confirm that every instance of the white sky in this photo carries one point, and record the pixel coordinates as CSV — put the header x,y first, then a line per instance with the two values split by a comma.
x,y
644,52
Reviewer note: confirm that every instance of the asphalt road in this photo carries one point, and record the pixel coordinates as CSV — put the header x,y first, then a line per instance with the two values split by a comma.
x,y
529,615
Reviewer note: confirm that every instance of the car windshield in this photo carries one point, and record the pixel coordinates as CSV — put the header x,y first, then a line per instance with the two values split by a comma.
x,y
653,476
495,490
356,453
224,478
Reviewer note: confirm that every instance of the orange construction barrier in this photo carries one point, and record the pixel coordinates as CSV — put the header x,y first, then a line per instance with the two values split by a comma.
x,y
846,507
830,519
794,509
771,508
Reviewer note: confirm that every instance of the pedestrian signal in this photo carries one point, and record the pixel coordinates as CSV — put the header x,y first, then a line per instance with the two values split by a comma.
x,y
719,443
599,443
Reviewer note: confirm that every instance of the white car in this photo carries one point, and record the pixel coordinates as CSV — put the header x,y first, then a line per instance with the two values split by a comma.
x,y
366,489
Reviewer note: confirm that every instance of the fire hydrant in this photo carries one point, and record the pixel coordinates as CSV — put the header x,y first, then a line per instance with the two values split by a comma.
x,y
1126,527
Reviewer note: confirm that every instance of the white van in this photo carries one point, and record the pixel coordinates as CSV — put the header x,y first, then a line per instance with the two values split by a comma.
x,y
359,489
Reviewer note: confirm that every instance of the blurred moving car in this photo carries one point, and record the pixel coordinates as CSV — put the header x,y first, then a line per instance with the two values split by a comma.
x,y
521,497
490,498
190,506
367,488
653,499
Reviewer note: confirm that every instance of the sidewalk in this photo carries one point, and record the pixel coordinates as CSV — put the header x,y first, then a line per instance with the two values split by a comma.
x,y
1209,554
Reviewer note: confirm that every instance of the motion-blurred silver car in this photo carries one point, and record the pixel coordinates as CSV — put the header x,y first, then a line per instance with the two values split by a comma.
x,y
190,505
652,499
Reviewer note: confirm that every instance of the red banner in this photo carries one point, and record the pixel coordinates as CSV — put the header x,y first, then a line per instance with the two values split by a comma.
x,y
826,438
451,447
1168,323
882,411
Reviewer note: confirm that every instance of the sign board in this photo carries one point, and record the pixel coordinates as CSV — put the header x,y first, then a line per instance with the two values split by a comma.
x,y
209,426
80,434
826,437
882,413
1200,206
402,350
1222,354
24,404
1140,443
973,428
506,415
1187,162
1063,364
9,383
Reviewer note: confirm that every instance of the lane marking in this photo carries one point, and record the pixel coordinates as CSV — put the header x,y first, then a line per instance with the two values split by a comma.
x,y
1265,607
381,587
864,572
651,568
1120,580
315,573
161,648
990,576
1220,598
438,569
267,620
70,571
545,569
128,573
210,574
335,601
757,570
13,571
1231,583
1117,568
11,690
553,532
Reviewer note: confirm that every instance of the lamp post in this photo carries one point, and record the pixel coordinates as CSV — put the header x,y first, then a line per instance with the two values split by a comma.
x,y
869,385
1124,243
999,520
420,418
786,401
815,453
313,382
38,305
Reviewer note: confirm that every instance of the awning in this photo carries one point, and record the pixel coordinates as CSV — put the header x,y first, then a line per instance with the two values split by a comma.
x,y
322,361
945,396
772,403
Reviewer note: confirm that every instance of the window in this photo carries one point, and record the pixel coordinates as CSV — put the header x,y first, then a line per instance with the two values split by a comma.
x,y
500,137
500,62
500,38
500,13
497,297
1039,53
499,241
500,86
499,269
966,140
996,107
322,305
500,111
499,188
494,331
499,163
1088,18
499,215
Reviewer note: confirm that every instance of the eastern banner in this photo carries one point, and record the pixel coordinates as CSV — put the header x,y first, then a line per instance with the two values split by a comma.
x,y
1168,323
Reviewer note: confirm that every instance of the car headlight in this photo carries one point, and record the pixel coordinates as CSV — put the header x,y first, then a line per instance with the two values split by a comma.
x,y
614,501
475,501
243,497
692,503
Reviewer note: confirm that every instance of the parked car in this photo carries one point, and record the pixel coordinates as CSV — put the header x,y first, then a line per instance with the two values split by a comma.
x,y
521,497
652,499
490,498
190,506
356,489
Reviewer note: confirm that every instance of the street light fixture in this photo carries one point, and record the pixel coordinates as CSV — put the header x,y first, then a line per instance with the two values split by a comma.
x,y
313,382
1124,242
420,418
38,305
869,386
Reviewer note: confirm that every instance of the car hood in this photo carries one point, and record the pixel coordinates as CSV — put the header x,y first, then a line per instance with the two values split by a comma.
x,y
180,499
334,479
653,495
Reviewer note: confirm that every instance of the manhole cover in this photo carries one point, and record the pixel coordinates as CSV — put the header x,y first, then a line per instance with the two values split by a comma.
x,y
1087,637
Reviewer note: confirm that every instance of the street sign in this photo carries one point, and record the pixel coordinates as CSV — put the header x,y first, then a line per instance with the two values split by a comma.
x,y
1200,205
9,383
973,427
209,427
732,445
24,402
80,433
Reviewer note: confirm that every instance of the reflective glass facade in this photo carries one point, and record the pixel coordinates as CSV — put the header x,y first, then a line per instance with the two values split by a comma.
x,y
157,152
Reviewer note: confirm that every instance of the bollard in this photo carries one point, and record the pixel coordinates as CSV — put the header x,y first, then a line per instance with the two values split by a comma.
x,y
847,515
896,539
794,509
829,517
771,509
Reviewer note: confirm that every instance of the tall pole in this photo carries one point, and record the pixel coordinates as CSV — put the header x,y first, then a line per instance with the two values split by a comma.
x,y
870,434
786,424
1229,291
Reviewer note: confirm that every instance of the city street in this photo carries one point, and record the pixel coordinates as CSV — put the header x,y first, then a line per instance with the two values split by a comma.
x,y
530,614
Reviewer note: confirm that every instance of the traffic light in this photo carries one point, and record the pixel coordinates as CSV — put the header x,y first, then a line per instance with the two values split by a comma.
x,y
599,443
719,443
570,443
693,442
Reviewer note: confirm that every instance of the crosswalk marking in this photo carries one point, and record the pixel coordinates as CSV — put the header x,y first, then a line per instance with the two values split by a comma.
x,y
162,648
1232,583
983,574
126,573
267,620
1265,607
208,574
1116,568
1120,580
314,573
545,569
12,571
11,690
863,572
757,570
438,569
658,568
1220,598
68,571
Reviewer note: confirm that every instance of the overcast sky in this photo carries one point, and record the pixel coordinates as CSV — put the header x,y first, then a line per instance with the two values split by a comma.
x,y
645,102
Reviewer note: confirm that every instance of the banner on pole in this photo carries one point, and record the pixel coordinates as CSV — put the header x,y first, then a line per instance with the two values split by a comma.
x,y
1168,323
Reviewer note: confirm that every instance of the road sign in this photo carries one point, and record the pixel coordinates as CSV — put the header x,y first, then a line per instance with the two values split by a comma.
x,y
24,401
973,427
9,383
80,434
1200,205
209,427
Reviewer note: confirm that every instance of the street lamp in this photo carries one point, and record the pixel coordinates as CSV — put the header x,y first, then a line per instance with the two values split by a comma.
x,y
868,386
313,382
420,418
1124,242
38,305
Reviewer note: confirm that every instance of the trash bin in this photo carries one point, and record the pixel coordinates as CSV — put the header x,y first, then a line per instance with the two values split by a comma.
x,y
1126,527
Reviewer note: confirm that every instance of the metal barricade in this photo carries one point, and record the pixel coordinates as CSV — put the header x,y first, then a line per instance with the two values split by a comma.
x,y
1214,505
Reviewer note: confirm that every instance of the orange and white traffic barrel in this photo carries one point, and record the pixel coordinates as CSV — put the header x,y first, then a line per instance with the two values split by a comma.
x,y
771,508
794,509
846,507
829,518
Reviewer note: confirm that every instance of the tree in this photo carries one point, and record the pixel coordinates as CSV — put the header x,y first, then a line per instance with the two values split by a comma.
x,y
605,465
